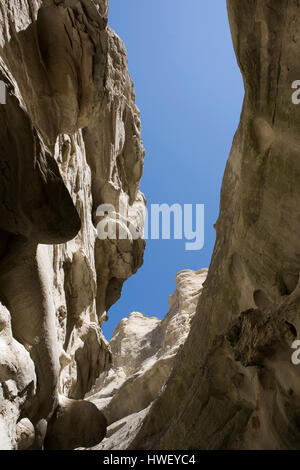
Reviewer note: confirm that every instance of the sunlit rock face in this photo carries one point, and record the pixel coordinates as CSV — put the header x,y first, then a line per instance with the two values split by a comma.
x,y
216,373
144,350
70,141
234,385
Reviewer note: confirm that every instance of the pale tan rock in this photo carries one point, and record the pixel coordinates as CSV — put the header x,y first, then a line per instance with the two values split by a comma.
x,y
121,433
17,386
233,385
73,424
25,434
143,350
70,134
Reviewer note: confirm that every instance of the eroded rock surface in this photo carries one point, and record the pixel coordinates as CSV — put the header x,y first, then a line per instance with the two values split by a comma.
x,y
144,349
233,385
69,141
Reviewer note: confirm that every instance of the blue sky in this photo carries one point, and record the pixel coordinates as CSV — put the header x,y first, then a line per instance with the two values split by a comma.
x,y
189,90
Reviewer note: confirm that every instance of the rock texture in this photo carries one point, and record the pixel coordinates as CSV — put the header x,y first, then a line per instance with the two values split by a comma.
x,y
69,141
143,351
233,385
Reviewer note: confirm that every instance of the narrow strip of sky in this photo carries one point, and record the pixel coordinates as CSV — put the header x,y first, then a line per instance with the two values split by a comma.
x,y
189,90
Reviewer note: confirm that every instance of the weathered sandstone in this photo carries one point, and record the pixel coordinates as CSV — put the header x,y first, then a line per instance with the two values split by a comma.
x,y
216,373
233,385
143,351
70,141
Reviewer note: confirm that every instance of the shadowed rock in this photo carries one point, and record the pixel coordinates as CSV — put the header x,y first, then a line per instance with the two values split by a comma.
x,y
69,141
75,424
241,390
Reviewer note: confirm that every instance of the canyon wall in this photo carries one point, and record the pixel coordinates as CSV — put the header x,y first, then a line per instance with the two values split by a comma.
x,y
143,350
69,142
220,378
234,385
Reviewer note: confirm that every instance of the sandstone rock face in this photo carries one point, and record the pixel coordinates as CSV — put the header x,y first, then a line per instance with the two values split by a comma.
x,y
18,385
143,351
234,385
70,141
89,422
